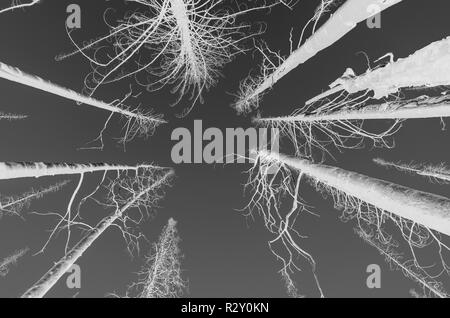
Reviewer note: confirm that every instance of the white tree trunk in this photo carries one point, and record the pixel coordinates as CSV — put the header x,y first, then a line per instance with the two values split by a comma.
x,y
10,171
62,266
15,75
429,210
344,20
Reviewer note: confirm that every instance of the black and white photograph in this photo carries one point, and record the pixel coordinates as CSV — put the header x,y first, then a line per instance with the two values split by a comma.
x,y
224,154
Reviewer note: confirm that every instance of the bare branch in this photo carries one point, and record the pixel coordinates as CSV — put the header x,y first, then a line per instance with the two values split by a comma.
x,y
11,117
16,4
186,44
420,219
161,277
408,268
439,173
270,181
143,196
344,20
428,67
11,260
344,127
14,205
138,122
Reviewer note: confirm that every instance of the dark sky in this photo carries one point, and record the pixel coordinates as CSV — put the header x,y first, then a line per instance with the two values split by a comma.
x,y
226,255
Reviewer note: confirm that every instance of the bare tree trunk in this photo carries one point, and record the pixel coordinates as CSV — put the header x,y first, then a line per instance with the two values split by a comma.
x,y
344,20
15,170
427,209
18,5
39,289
